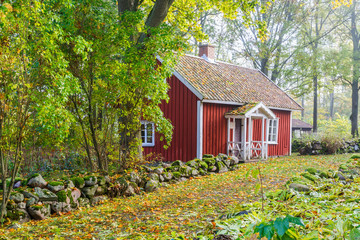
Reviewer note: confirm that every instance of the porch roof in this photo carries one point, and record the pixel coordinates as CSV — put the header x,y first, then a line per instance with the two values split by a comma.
x,y
251,109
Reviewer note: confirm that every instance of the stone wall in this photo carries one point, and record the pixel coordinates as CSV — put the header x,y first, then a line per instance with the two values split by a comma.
x,y
315,147
37,199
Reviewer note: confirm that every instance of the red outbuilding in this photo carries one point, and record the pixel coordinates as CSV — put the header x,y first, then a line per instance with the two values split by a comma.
x,y
217,107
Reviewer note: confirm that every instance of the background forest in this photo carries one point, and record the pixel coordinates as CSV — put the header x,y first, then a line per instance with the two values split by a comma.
x,y
311,51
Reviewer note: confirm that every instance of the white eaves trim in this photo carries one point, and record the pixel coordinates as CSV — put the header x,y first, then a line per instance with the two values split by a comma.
x,y
261,106
223,102
283,109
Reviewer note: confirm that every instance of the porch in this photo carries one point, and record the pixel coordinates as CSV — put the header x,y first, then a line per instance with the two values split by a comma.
x,y
250,128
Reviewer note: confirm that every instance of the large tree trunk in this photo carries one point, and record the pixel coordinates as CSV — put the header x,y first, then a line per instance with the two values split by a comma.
x,y
356,73
156,16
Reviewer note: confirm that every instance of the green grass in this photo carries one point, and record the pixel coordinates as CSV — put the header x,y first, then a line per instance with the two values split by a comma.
x,y
184,208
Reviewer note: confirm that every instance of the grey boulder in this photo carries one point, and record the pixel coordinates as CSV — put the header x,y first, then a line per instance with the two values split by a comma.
x,y
151,186
299,187
39,212
37,181
17,197
45,194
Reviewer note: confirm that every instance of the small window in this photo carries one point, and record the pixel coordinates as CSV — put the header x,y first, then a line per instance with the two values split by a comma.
x,y
147,134
273,131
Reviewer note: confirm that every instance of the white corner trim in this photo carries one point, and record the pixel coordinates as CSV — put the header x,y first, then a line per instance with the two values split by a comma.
x,y
199,132
290,134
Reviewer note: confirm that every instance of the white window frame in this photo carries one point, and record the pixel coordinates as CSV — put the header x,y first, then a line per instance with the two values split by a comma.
x,y
152,143
273,138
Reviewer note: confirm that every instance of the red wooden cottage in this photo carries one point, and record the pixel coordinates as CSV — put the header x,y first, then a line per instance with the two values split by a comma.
x,y
217,107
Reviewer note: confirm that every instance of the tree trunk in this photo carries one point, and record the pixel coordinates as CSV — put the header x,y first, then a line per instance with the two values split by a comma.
x,y
315,112
356,73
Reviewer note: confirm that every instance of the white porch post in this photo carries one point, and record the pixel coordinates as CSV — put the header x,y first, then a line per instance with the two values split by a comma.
x,y
262,138
243,139
250,138
267,137
228,137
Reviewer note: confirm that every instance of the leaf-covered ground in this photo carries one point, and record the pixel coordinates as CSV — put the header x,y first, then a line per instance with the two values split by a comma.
x,y
183,208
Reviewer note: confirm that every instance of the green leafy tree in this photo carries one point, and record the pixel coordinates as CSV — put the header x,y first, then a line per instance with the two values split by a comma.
x,y
33,83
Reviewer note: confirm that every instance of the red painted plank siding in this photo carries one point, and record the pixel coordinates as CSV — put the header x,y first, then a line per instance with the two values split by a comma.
x,y
182,112
283,146
215,128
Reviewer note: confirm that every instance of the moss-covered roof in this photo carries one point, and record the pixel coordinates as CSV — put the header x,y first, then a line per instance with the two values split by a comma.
x,y
231,83
242,110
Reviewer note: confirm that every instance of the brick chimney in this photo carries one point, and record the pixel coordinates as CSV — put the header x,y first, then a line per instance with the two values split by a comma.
x,y
207,50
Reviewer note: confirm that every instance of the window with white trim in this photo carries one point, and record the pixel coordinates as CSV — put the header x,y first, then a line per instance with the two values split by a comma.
x,y
273,131
147,134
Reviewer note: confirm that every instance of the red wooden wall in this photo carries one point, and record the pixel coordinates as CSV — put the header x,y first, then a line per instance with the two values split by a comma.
x,y
182,112
283,146
215,128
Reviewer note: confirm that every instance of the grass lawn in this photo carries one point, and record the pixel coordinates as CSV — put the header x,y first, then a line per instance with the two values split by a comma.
x,y
183,208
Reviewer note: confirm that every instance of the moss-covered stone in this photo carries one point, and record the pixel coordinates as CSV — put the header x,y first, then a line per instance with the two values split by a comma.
x,y
311,170
309,176
176,175
209,161
220,167
185,171
88,178
101,181
203,165
37,207
78,182
54,183
323,174
202,172
343,167
208,156
356,155
177,163
193,164
61,196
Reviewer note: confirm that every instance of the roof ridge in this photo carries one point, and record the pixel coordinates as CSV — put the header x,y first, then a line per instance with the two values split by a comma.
x,y
222,62
280,88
